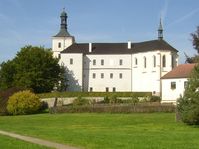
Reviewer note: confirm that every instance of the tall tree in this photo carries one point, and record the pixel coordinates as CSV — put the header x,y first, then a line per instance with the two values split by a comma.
x,y
7,71
188,104
35,68
195,39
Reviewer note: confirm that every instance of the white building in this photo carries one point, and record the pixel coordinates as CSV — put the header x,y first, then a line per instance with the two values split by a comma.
x,y
114,66
174,82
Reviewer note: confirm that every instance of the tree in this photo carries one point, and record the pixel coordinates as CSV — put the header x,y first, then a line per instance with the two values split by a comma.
x,y
195,39
7,71
32,68
188,105
195,42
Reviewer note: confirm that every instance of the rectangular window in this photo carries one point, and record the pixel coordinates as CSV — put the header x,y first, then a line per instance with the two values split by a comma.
x,y
94,75
94,62
102,62
114,89
59,56
111,75
173,85
121,62
120,75
107,89
59,45
102,75
71,61
91,89
136,61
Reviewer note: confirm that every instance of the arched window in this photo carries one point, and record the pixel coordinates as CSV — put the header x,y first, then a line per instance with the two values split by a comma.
x,y
164,61
144,62
154,61
136,61
173,61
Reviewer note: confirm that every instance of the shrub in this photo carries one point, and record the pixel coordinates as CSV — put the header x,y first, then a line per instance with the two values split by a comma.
x,y
155,99
23,102
80,101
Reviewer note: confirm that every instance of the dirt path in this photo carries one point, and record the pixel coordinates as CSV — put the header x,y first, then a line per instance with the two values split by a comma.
x,y
37,141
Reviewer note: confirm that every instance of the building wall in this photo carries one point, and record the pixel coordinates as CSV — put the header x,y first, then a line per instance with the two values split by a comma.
x,y
147,78
64,43
117,65
73,64
171,95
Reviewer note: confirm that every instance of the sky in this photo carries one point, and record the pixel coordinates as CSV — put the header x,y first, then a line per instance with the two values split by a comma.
x,y
34,22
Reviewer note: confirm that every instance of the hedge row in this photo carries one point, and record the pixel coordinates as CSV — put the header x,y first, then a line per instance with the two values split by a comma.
x,y
114,108
95,94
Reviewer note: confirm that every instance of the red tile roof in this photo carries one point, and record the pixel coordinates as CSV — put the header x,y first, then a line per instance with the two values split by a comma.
x,y
181,71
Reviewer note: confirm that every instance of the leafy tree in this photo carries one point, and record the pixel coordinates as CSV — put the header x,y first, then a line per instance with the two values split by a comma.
x,y
195,42
195,39
7,72
32,68
188,105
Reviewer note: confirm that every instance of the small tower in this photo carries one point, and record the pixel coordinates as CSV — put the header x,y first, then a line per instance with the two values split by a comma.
x,y
62,39
160,31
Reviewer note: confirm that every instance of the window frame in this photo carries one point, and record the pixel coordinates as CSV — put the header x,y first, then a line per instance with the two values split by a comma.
x,y
71,61
173,85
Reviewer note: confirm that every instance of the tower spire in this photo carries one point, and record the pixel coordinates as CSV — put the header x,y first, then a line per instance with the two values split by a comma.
x,y
63,25
160,30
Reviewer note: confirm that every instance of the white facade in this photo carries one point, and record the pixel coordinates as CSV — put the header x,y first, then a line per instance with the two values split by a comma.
x,y
117,72
120,67
172,89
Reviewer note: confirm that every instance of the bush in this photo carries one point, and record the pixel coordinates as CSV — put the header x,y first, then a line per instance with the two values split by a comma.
x,y
23,102
80,101
94,94
155,99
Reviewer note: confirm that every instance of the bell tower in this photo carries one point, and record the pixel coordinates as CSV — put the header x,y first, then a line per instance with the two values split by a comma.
x,y
62,39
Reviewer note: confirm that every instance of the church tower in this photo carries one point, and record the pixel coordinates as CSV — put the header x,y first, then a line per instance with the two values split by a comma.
x,y
62,39
160,31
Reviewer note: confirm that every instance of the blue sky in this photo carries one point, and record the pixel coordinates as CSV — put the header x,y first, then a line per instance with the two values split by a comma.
x,y
34,22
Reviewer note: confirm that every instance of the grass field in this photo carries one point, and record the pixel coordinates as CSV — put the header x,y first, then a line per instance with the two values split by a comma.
x,y
11,143
107,131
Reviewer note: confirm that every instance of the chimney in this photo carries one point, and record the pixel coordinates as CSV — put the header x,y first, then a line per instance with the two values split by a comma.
x,y
129,44
90,47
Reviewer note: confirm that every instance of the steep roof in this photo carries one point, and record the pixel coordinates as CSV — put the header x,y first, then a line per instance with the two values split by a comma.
x,y
181,71
119,48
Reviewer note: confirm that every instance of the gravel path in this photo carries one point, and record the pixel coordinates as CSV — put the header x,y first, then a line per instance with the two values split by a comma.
x,y
37,141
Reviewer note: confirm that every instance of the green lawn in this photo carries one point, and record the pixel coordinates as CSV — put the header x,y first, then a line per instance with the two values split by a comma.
x,y
107,131
11,143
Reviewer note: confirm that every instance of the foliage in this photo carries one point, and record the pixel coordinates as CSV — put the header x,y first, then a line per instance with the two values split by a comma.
x,y
80,101
188,105
32,68
194,59
113,108
195,39
7,71
107,131
4,95
23,102
155,99
95,94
